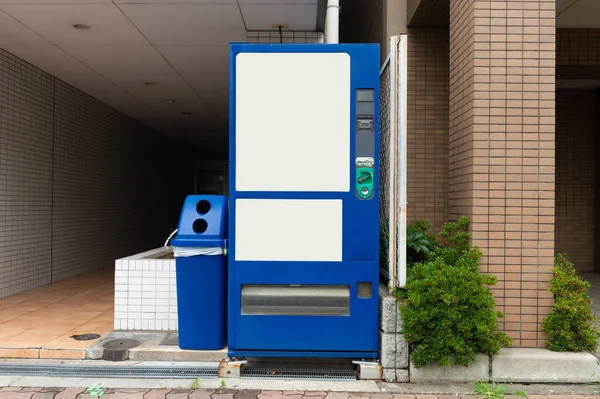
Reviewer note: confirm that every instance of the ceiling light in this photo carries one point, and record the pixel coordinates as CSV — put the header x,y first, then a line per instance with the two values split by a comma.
x,y
282,26
186,113
170,101
150,83
81,26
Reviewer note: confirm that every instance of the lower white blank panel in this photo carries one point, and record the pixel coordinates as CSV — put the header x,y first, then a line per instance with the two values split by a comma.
x,y
288,230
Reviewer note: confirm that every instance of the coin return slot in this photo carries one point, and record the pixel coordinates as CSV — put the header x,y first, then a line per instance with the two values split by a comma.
x,y
292,300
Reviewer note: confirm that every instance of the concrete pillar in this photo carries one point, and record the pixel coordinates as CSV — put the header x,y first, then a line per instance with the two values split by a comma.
x,y
501,149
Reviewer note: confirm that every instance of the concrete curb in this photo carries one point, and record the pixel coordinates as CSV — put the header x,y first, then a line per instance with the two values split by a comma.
x,y
543,365
517,365
477,371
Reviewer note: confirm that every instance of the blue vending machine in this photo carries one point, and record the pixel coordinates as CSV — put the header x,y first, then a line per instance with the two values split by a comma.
x,y
304,200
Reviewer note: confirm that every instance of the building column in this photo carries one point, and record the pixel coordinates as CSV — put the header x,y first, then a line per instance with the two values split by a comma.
x,y
501,149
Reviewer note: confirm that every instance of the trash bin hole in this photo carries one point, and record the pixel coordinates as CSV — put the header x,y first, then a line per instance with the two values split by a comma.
x,y
200,226
203,207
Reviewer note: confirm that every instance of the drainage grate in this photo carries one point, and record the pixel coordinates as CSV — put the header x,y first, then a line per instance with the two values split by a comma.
x,y
298,374
108,371
85,337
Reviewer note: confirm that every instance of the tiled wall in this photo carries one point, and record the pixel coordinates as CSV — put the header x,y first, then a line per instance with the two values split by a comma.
x,y
501,149
80,184
576,145
26,147
576,176
146,292
427,124
577,46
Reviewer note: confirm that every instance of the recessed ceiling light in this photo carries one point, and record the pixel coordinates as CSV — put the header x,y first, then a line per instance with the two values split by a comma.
x,y
150,83
170,101
186,113
81,26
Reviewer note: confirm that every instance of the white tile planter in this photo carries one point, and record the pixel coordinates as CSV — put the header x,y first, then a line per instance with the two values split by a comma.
x,y
145,291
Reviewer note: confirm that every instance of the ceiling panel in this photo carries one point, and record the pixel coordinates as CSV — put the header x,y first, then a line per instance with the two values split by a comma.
x,y
561,5
121,60
50,59
177,1
12,32
169,87
192,61
181,45
55,22
582,14
279,2
179,110
209,86
296,17
55,1
187,24
220,104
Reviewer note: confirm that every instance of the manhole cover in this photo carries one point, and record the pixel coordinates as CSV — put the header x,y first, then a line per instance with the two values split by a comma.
x,y
117,350
85,337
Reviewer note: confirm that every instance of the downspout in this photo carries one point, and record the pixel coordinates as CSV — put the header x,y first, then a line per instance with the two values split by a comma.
x,y
332,22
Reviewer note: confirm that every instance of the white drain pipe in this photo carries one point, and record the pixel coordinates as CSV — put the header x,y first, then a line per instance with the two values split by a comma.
x,y
332,22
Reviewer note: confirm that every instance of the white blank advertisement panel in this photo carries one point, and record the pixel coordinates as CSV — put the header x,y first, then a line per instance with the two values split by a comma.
x,y
292,122
288,230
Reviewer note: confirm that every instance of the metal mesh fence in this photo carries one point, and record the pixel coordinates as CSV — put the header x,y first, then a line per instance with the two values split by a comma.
x,y
385,104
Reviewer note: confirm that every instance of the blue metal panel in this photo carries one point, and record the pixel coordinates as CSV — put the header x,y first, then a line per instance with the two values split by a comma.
x,y
351,335
303,354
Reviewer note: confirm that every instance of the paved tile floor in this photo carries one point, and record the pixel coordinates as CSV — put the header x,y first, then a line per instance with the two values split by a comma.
x,y
39,323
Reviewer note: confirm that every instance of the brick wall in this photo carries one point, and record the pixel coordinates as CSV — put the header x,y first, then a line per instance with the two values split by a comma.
x,y
501,149
80,183
427,125
576,176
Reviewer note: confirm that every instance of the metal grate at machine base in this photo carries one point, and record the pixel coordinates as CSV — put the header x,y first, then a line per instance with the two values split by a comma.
x,y
283,373
108,371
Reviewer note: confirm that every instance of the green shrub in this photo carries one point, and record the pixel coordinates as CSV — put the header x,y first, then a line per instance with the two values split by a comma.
x,y
422,226
571,325
449,313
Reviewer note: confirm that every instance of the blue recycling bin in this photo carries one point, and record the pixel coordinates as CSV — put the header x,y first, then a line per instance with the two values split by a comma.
x,y
201,272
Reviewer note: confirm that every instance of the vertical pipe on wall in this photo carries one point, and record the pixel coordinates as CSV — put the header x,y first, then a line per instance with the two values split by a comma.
x,y
393,180
332,22
402,51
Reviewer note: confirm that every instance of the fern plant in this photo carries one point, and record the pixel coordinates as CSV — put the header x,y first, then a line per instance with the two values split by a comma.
x,y
418,246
